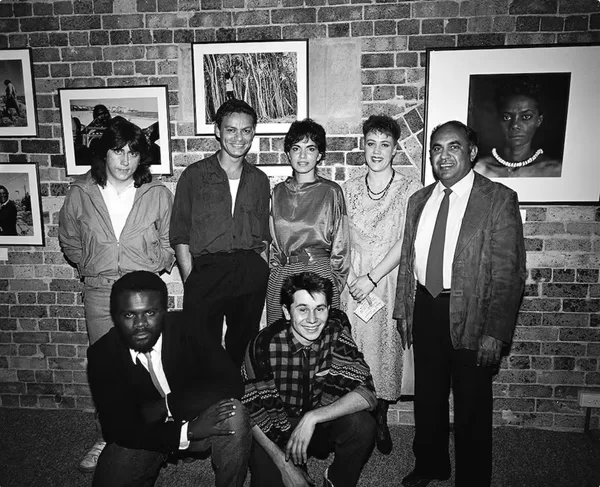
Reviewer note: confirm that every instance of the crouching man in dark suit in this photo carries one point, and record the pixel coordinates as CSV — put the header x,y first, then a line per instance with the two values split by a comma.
x,y
160,392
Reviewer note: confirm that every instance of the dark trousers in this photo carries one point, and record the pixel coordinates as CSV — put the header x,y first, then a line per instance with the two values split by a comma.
x,y
439,367
128,467
351,438
231,286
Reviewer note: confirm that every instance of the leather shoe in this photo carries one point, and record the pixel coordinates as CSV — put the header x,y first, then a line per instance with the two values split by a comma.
x,y
384,439
413,479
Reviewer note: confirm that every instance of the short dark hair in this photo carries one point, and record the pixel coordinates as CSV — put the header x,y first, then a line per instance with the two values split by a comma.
x,y
118,133
137,281
305,129
305,281
471,135
99,109
234,106
519,86
382,124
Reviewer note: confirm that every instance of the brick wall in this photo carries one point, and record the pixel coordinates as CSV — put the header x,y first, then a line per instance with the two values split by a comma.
x,y
86,43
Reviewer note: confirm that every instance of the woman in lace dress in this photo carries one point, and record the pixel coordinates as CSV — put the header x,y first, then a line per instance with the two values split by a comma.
x,y
308,221
376,203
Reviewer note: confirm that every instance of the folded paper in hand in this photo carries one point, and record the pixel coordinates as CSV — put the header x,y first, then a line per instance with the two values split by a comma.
x,y
366,310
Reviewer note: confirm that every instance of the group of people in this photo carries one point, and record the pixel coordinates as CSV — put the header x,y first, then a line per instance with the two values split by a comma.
x,y
440,267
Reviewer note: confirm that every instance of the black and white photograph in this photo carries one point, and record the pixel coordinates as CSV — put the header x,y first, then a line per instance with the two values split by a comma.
x,y
270,76
18,114
86,113
521,119
535,110
20,205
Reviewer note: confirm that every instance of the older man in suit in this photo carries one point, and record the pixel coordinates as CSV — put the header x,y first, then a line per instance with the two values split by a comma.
x,y
160,392
460,284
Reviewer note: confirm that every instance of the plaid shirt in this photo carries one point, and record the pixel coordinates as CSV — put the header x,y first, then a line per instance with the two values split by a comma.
x,y
273,369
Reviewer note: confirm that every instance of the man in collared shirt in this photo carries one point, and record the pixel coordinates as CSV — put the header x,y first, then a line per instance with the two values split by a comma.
x,y
308,391
460,283
219,229
160,392
115,220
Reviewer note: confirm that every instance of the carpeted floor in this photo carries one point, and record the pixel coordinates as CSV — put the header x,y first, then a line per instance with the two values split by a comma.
x,y
42,448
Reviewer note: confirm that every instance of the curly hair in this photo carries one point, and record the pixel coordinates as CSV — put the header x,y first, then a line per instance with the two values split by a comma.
x,y
306,129
137,281
519,86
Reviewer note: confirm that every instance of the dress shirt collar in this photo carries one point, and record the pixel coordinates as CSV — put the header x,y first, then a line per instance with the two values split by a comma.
x,y
460,188
296,346
157,348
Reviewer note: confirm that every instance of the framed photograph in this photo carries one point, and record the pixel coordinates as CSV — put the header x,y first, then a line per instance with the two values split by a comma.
x,y
20,205
86,112
272,77
535,110
18,114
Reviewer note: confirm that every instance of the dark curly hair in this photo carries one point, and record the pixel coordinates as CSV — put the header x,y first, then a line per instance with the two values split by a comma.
x,y
519,86
137,281
305,129
382,124
117,135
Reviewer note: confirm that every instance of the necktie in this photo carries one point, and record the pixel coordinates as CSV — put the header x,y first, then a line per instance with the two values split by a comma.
x,y
434,274
306,381
153,374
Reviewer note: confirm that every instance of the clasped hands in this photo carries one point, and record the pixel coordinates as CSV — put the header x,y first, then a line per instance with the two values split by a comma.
x,y
360,288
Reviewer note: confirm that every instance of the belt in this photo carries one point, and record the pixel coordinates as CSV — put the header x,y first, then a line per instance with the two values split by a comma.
x,y
443,292
305,256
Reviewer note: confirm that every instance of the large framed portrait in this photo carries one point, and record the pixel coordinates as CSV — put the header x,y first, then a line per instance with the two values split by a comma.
x,y
272,77
18,114
535,110
87,112
20,205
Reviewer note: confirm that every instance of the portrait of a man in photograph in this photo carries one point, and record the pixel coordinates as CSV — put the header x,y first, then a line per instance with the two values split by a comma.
x,y
521,121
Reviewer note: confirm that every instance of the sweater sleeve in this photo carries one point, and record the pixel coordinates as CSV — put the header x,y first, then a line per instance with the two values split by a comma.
x,y
69,229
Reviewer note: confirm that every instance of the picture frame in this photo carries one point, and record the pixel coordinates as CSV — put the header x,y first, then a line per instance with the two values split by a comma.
x,y
224,70
478,86
21,221
18,110
84,118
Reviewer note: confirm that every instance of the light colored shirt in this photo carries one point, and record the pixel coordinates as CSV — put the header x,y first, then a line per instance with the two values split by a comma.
x,y
156,356
119,205
234,184
458,204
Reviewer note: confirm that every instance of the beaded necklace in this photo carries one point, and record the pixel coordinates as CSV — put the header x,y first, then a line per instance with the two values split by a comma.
x,y
524,163
382,192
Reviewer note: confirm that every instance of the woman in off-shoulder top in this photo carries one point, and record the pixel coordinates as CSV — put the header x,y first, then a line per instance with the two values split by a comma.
x,y
308,220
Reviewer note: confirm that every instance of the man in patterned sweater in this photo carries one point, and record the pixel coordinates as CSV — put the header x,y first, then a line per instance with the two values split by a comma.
x,y
308,391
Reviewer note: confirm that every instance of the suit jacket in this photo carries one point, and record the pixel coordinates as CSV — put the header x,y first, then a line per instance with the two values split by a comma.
x,y
199,374
488,270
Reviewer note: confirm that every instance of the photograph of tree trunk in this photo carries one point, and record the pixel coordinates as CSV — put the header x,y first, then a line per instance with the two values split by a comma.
x,y
269,76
